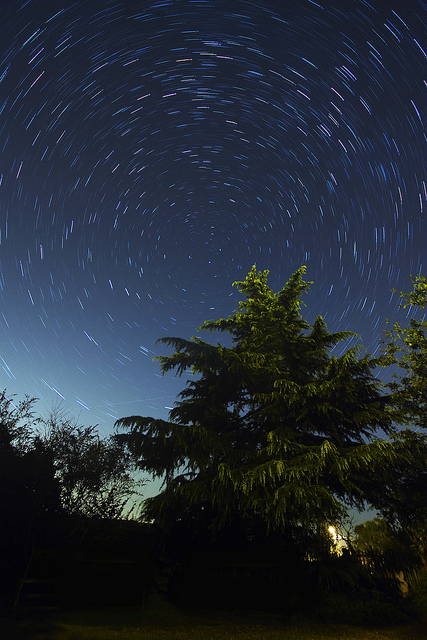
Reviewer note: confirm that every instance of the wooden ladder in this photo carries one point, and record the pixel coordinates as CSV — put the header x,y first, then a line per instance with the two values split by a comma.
x,y
37,589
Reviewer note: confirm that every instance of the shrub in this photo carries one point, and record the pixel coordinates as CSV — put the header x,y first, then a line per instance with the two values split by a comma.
x,y
416,600
362,607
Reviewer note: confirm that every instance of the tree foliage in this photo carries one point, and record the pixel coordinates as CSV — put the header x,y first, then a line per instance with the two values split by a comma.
x,y
400,494
274,427
56,477
406,348
375,535
92,476
95,474
29,492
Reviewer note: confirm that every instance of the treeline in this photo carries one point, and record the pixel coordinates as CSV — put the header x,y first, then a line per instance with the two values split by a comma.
x,y
58,481
272,441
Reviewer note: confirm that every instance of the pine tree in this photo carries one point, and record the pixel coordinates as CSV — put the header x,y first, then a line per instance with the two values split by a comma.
x,y
273,428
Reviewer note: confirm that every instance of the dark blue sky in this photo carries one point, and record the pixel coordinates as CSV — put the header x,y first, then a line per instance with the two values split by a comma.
x,y
151,152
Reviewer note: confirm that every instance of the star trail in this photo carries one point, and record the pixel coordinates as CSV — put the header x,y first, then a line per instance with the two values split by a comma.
x,y
151,152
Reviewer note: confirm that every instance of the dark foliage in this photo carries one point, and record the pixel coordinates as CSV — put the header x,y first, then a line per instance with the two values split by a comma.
x,y
400,494
271,431
55,477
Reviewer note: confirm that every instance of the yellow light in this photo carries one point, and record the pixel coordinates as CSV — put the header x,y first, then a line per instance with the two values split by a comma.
x,y
333,532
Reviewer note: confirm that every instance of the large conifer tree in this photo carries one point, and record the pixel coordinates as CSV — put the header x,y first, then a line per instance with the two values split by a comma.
x,y
273,428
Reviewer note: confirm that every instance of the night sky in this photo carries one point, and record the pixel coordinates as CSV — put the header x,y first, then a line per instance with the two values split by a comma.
x,y
152,152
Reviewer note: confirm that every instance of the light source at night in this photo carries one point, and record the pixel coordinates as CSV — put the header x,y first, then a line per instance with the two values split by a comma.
x,y
333,533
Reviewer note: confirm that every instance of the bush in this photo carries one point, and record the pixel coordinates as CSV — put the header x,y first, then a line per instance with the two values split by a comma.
x,y
360,608
416,600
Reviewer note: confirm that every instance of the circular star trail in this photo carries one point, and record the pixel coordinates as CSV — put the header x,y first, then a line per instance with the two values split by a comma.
x,y
151,152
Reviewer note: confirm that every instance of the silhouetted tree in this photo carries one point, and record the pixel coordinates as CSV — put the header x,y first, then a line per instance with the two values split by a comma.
x,y
30,504
96,475
56,477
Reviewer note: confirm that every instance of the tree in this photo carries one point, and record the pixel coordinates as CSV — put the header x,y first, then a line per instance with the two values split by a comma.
x,y
400,496
30,504
92,476
274,429
387,554
96,475
54,475
16,422
406,347
374,535
29,492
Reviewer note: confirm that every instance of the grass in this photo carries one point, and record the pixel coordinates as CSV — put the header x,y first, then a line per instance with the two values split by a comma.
x,y
165,622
